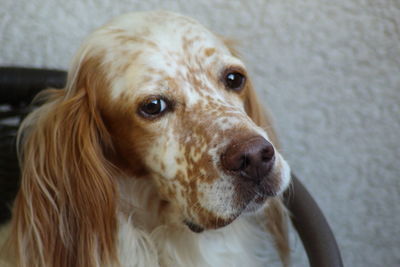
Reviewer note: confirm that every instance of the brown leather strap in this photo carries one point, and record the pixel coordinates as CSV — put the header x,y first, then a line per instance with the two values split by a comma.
x,y
312,227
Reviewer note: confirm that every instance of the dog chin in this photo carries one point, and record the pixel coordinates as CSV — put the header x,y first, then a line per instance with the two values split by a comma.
x,y
193,226
217,223
196,228
256,205
260,202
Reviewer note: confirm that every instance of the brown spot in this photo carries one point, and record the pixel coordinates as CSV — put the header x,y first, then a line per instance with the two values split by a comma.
x,y
115,31
163,168
209,52
129,58
163,206
124,39
178,160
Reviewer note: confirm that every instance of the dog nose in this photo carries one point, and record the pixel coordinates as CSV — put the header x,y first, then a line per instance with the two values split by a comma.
x,y
250,159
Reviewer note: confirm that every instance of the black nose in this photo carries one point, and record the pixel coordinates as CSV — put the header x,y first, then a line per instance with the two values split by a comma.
x,y
249,159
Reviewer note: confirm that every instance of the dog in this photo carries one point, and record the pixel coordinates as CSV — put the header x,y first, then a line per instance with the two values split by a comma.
x,y
156,153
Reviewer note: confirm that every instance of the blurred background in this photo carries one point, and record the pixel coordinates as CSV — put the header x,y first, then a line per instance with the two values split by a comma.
x,y
329,71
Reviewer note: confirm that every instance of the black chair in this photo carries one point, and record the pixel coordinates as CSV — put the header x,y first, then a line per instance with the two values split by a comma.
x,y
18,86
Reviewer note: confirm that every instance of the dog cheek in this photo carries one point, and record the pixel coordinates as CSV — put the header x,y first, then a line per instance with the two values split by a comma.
x,y
163,157
284,173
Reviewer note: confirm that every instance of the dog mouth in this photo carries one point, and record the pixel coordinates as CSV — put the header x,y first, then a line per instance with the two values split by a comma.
x,y
249,193
253,205
247,197
193,226
260,199
197,228
257,203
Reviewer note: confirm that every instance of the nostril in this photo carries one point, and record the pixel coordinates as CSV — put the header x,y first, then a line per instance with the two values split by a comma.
x,y
267,153
245,161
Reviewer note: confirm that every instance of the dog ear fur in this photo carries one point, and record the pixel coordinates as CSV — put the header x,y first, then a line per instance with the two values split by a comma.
x,y
65,211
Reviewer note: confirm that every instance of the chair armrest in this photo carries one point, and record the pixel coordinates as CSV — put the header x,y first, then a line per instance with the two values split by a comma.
x,y
22,84
312,227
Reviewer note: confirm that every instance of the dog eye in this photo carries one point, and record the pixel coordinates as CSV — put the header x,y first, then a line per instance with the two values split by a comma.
x,y
234,81
153,107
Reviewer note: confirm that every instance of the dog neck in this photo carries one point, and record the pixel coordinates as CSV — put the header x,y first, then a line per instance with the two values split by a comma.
x,y
151,233
141,204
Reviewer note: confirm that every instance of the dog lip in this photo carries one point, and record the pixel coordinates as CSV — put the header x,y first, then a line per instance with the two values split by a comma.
x,y
261,195
260,199
193,227
268,192
196,228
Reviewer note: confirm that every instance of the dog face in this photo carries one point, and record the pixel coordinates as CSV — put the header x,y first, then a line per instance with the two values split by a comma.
x,y
173,97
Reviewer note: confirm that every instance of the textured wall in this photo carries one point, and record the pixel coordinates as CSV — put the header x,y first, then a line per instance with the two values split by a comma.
x,y
331,70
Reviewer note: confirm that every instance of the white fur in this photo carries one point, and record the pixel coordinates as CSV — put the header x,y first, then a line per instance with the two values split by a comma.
x,y
245,242
242,243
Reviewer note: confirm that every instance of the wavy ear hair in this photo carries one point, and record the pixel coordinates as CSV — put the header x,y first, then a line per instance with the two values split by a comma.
x,y
276,212
65,211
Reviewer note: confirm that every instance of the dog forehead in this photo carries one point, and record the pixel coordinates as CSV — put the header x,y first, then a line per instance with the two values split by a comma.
x,y
162,27
153,46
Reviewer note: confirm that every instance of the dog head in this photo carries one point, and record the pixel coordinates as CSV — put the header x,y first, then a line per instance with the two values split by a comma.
x,y
157,97
176,100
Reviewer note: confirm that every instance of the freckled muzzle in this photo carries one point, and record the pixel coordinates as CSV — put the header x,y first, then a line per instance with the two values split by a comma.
x,y
250,165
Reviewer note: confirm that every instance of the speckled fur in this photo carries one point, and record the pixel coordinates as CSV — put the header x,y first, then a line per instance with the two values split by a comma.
x,y
179,59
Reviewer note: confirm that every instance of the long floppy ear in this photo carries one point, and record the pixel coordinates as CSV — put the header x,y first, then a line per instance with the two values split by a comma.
x,y
65,211
277,223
